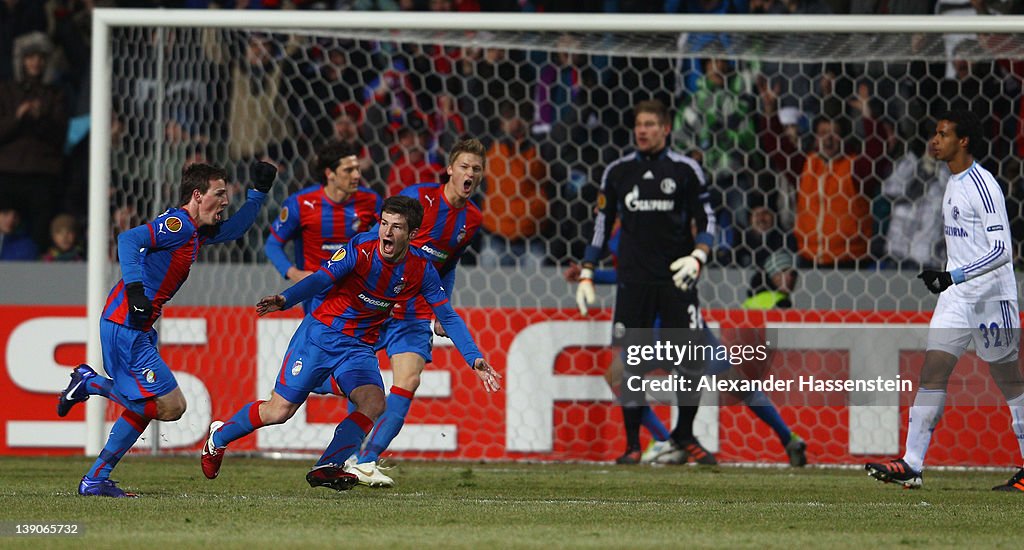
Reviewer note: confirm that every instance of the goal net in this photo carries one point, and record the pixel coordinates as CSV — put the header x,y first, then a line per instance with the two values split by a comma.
x,y
811,133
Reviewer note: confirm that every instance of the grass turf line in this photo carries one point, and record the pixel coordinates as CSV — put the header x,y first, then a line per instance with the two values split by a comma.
x,y
267,503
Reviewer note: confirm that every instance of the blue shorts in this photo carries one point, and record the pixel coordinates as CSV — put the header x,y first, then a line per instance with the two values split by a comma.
x,y
131,359
407,336
317,352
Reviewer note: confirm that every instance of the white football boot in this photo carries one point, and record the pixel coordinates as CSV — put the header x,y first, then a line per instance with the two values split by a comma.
x,y
370,474
655,450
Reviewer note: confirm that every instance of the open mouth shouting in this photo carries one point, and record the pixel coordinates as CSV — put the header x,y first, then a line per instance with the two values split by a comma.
x,y
387,248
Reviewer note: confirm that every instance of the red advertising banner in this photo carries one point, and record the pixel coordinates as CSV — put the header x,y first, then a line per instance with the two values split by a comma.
x,y
554,404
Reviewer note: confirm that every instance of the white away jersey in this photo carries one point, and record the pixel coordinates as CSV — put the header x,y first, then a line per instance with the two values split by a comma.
x,y
977,238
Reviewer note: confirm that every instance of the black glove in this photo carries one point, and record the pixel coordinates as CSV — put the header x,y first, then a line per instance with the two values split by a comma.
x,y
936,281
140,309
263,174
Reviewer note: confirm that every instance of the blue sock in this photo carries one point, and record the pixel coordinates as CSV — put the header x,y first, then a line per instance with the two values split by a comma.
x,y
241,424
388,425
653,424
123,435
351,406
347,438
104,387
766,411
100,385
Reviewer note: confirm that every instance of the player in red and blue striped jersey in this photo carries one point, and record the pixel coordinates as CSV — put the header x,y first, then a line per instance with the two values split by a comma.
x,y
450,221
322,217
364,281
155,261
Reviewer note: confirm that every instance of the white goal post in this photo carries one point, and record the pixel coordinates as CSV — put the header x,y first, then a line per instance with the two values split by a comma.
x,y
104,20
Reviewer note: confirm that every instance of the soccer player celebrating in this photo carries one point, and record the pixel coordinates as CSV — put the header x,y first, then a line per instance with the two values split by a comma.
x,y
450,221
660,195
977,299
322,217
155,261
364,281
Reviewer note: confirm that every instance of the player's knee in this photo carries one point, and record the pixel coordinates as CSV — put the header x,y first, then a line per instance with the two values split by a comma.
x,y
372,405
172,411
937,368
409,381
406,368
1008,378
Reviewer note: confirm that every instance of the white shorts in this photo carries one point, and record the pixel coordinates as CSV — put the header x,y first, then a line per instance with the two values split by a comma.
x,y
992,326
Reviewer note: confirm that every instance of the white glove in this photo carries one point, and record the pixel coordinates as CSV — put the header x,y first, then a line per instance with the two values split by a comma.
x,y
686,270
585,290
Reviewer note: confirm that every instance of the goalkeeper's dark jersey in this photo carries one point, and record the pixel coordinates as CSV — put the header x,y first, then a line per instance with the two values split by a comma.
x,y
656,197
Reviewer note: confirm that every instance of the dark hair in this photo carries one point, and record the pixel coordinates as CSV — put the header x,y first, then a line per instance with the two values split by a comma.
x,y
654,107
198,177
472,146
405,206
329,156
966,124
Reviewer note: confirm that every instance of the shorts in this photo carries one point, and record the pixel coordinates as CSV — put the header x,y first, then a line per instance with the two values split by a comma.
x,y
992,326
407,336
650,309
132,361
648,314
317,352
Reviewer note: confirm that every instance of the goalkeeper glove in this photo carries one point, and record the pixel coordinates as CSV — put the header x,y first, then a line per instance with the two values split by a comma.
x,y
936,281
686,270
585,290
140,309
263,174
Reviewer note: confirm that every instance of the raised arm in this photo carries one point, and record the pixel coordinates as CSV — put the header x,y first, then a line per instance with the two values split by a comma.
x,y
457,330
263,175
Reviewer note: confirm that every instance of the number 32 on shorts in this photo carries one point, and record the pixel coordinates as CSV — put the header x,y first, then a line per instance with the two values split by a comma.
x,y
992,335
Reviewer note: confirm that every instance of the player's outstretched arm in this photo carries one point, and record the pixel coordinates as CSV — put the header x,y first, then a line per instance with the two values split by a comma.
x,y
340,265
487,375
456,329
299,292
236,226
270,304
459,334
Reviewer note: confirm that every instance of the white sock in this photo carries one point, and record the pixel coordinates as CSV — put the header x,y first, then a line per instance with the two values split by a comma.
x,y
924,416
1016,406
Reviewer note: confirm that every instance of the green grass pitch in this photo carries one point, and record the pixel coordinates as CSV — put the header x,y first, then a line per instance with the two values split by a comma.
x,y
258,503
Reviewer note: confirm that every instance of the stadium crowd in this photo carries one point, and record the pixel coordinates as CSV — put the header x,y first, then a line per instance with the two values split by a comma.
x,y
826,160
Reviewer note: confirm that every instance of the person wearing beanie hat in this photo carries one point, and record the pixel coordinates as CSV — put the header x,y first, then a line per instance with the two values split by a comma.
x,y
773,283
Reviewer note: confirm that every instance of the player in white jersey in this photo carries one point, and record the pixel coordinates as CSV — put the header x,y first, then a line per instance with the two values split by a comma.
x,y
977,299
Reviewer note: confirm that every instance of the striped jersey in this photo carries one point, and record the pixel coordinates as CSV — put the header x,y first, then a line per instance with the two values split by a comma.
x,y
160,254
319,226
443,237
977,235
362,288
